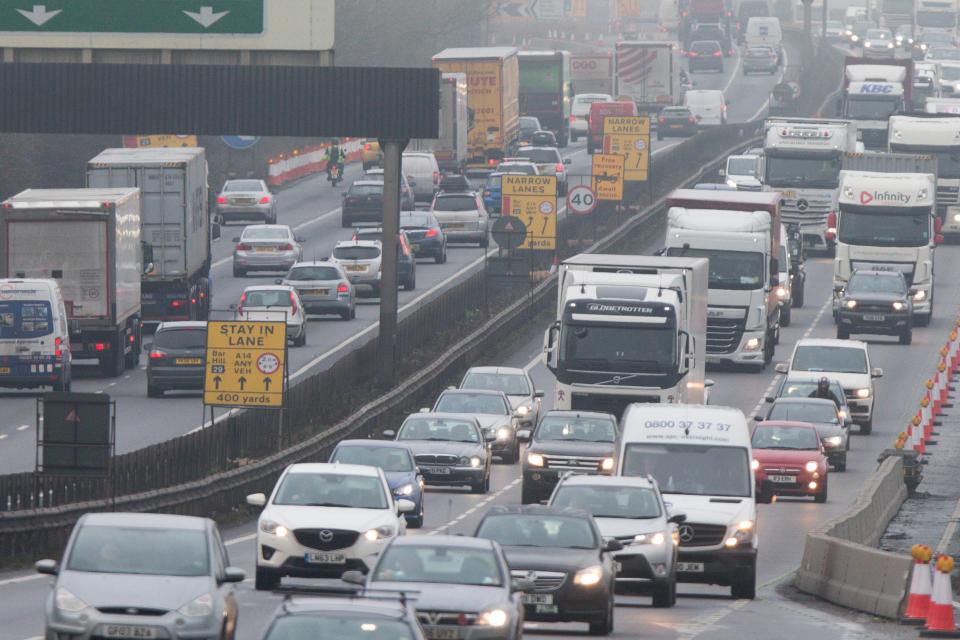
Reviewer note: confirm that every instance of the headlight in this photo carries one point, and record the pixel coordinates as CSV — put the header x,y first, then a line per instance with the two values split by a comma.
x,y
898,306
464,461
405,490
731,183
606,464
956,217
842,414
503,433
66,601
889,45
372,535
493,617
589,577
754,464
752,344
866,44
745,525
850,304
474,462
781,292
273,528
523,410
863,393
833,441
535,459
811,466
649,538
855,38
920,295
198,607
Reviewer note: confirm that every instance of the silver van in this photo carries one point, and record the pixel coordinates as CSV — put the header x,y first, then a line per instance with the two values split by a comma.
x,y
423,174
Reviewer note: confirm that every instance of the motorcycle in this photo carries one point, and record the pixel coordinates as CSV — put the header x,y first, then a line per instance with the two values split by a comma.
x,y
335,174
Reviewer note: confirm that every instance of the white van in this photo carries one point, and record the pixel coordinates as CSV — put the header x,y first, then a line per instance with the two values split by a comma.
x,y
764,31
700,456
708,106
423,174
34,335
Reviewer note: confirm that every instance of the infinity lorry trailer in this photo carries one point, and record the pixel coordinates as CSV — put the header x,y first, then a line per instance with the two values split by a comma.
x,y
175,225
628,329
88,240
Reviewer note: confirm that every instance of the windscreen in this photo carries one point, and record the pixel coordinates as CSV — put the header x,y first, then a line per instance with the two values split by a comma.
x,y
140,551
575,429
871,108
356,253
331,490
870,283
741,166
455,203
438,564
366,190
244,185
736,270
785,438
705,46
333,626
472,403
386,458
884,226
824,412
829,358
416,220
512,384
439,430
268,298
634,349
193,338
265,233
691,469
540,156
529,125
609,502
950,73
524,169
521,530
25,319
815,173
301,274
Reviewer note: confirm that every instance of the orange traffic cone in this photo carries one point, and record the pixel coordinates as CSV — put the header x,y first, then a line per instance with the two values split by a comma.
x,y
940,623
918,600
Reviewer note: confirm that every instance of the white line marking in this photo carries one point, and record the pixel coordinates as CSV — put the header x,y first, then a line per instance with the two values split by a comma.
x,y
3,436
767,101
733,76
23,427
486,501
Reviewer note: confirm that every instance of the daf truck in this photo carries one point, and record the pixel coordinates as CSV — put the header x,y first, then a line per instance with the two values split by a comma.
x,y
450,149
175,225
938,136
739,232
802,162
88,241
546,90
628,329
886,219
871,94
493,94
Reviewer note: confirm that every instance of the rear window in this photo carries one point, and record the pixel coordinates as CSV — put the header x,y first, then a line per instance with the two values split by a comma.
x,y
676,113
192,338
541,156
416,220
759,51
417,163
313,273
528,125
356,253
268,233
366,189
244,185
25,319
705,47
268,298
525,169
455,203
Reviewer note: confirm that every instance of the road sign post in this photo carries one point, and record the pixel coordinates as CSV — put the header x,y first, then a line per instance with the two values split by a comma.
x,y
245,364
532,199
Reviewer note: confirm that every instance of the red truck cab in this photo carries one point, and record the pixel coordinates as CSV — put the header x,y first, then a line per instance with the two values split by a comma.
x,y
599,111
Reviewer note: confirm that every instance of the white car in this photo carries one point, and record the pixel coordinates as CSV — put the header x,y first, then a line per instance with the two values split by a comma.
x,y
360,260
708,106
580,112
878,43
323,519
848,362
275,303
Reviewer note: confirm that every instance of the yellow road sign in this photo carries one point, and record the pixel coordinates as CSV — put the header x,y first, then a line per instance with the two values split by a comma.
x,y
629,8
533,199
245,364
629,136
608,176
627,125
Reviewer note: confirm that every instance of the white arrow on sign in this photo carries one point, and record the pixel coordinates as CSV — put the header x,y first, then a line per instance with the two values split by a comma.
x,y
39,14
206,17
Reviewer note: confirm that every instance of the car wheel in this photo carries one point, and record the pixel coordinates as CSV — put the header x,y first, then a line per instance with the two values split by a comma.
x,y
485,242
798,297
266,580
843,333
867,427
821,496
744,586
480,487
659,136
526,496
417,521
785,316
154,392
344,222
353,313
841,464
238,272
511,456
906,337
302,340
573,137
440,258
665,593
604,626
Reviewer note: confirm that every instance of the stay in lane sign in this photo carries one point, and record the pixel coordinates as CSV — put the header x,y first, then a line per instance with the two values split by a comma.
x,y
608,176
629,136
245,364
533,199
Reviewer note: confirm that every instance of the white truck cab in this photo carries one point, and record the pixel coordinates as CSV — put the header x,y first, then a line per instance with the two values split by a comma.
x,y
700,457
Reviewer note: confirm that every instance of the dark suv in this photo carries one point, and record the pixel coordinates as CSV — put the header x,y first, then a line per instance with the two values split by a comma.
x,y
875,302
363,201
705,55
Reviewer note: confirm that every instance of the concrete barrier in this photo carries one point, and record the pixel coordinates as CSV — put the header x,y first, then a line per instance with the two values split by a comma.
x,y
841,563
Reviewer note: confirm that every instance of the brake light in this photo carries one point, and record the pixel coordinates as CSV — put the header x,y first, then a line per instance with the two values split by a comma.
x,y
176,304
286,247
436,177
661,120
265,200
342,288
100,346
573,119
432,233
57,347
717,54
156,354
693,54
243,246
559,167
293,303
221,200
243,298
492,162
692,120
366,147
832,219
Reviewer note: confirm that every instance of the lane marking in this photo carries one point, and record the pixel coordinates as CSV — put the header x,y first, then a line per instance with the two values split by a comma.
x,y
733,76
783,75
3,436
23,427
490,498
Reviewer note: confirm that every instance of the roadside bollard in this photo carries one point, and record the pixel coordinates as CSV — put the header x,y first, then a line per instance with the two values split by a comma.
x,y
918,600
940,623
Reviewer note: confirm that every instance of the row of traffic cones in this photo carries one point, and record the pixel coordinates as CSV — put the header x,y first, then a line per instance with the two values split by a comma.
x,y
930,602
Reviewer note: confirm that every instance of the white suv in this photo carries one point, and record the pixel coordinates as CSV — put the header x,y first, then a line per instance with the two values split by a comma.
x,y
848,362
324,519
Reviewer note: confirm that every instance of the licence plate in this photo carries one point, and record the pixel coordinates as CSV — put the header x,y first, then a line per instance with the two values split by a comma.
x,y
538,598
676,126
784,479
874,317
455,225
316,292
355,267
315,557
187,361
435,471
5,370
547,608
690,567
264,249
129,631
433,633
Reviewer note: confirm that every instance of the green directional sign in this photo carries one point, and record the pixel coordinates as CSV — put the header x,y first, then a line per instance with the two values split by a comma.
x,y
132,16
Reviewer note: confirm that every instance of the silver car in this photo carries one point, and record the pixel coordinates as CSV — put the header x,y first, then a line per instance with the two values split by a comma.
x,y
492,410
142,575
760,59
550,163
266,247
360,261
323,288
462,217
242,200
514,382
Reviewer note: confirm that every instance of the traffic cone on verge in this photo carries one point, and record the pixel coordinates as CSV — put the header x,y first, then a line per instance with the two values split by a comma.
x,y
940,623
918,600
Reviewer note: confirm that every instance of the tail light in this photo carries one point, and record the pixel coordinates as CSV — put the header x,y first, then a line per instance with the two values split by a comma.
x,y
662,120
58,347
693,54
692,120
573,119
717,54
243,246
432,233
100,346
221,200
343,288
558,167
157,354
265,200
293,303
366,147
492,162
831,232
349,200
486,193
436,177
286,247
243,299
176,304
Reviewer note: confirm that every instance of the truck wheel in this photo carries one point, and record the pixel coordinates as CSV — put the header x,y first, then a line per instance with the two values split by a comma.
x,y
785,316
923,320
112,364
744,586
906,337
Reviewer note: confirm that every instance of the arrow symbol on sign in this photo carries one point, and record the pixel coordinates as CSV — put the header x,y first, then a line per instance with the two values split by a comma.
x,y
266,384
206,17
242,381
216,383
39,15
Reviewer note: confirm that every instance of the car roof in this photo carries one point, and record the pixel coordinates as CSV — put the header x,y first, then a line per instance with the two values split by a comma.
x,y
358,243
537,148
333,467
266,226
795,424
369,442
364,183
307,603
268,287
316,263
795,400
593,480
181,324
440,415
507,370
472,392
830,342
459,192
877,273
146,521
465,542
566,413
809,376
537,510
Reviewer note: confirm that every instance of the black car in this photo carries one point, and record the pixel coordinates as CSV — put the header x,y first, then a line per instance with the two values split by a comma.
x,y
565,441
363,201
705,55
712,31
406,259
875,302
676,121
425,235
176,359
563,552
381,617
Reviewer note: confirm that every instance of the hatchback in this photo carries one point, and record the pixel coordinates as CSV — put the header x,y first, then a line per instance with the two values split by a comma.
x,y
705,55
176,359
266,247
323,288
462,217
406,260
275,303
760,59
425,235
676,121
789,459
360,260
549,163
528,126
246,200
407,183
363,201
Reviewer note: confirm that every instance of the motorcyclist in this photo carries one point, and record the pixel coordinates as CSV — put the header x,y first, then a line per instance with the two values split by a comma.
x,y
334,158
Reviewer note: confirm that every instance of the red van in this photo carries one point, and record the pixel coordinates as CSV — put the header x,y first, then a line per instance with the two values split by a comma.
x,y
600,110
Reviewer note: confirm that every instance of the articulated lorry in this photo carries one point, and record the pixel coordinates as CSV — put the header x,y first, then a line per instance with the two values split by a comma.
x,y
545,90
886,219
450,149
175,225
592,73
493,86
802,162
874,92
628,329
739,232
88,240
648,73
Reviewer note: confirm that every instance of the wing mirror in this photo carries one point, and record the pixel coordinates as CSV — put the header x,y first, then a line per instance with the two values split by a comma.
x,y
405,506
237,239
516,585
567,161
782,367
677,518
613,545
257,499
523,435
489,436
539,393
424,410
234,574
390,434
354,577
876,373
47,567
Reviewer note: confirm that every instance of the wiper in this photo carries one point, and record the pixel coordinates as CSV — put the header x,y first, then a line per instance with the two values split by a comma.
x,y
591,363
326,504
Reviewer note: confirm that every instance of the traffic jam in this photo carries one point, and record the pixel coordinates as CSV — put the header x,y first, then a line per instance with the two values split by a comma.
x,y
623,473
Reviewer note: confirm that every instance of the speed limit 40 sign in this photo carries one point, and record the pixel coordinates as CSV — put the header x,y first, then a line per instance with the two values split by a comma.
x,y
581,200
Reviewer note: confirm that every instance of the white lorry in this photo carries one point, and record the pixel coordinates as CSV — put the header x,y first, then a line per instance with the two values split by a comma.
x,y
938,137
873,93
450,149
740,234
802,162
648,73
886,220
628,329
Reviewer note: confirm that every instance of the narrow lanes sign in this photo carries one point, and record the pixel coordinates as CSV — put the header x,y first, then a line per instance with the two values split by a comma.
x,y
132,16
245,364
532,199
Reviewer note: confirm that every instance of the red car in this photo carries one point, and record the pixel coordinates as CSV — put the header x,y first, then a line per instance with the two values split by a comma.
x,y
789,460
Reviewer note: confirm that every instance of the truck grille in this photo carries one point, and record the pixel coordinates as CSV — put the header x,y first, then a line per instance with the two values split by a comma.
x,y
542,580
724,334
440,458
607,403
326,539
874,138
946,195
701,535
573,463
